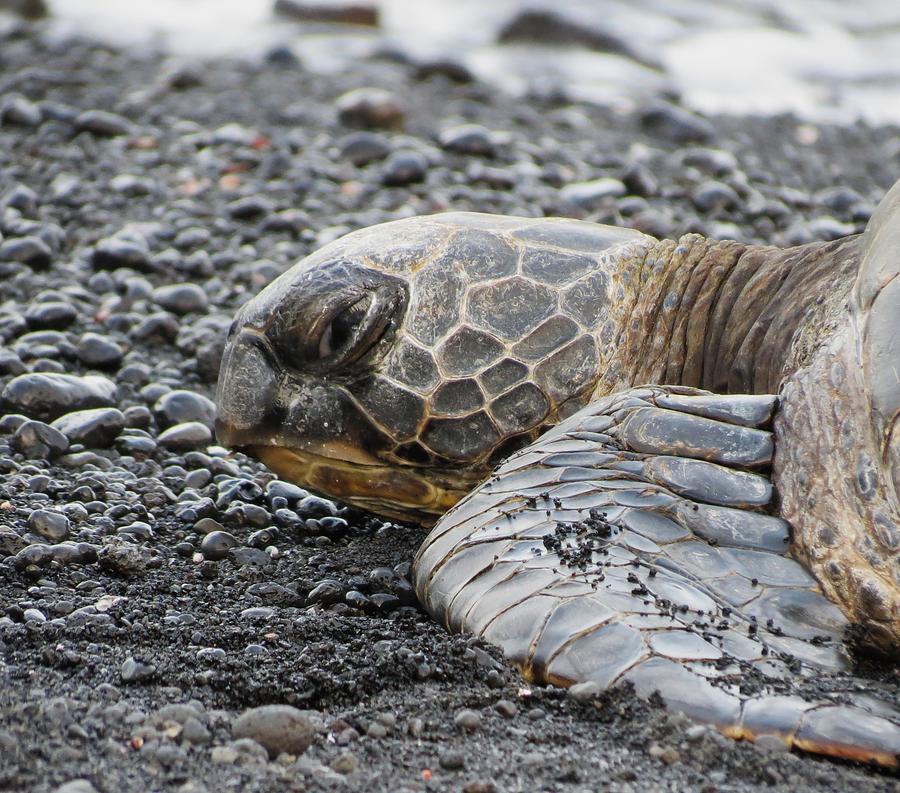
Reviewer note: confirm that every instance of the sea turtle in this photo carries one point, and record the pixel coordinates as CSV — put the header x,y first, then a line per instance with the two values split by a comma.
x,y
698,446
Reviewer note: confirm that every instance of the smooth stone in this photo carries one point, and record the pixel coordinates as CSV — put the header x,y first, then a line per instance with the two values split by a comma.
x,y
182,437
52,526
404,167
114,252
102,122
32,251
35,440
372,108
676,123
95,428
98,351
134,671
590,195
176,407
471,139
278,728
362,148
181,298
51,395
53,315
216,544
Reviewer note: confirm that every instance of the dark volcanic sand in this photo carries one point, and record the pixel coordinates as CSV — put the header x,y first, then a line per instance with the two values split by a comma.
x,y
95,649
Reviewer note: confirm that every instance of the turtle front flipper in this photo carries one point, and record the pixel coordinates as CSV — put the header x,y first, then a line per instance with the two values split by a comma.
x,y
631,543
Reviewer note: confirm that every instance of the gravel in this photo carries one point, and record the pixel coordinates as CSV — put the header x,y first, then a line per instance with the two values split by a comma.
x,y
158,592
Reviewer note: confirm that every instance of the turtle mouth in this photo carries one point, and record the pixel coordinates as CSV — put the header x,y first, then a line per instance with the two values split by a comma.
x,y
419,495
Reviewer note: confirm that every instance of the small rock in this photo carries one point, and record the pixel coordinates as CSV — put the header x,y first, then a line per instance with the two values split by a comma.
x,y
98,351
102,122
186,436
250,207
134,671
76,786
32,251
468,139
350,13
404,167
95,428
668,754
676,123
371,107
590,195
279,728
193,731
362,148
53,315
120,251
345,763
21,111
376,730
452,759
216,545
587,691
179,406
506,708
50,395
181,299
53,526
36,440
468,719
710,196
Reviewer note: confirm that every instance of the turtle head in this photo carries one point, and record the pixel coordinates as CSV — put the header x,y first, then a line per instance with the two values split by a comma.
x,y
394,367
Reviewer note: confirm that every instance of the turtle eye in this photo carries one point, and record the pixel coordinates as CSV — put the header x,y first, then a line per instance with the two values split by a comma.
x,y
343,328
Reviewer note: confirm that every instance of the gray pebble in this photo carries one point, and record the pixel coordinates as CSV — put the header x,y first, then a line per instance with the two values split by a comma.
x,y
467,719
37,440
587,691
371,107
32,251
54,315
363,147
102,122
506,708
53,526
452,759
676,123
99,351
48,396
216,544
279,728
135,671
590,195
189,435
468,139
19,110
177,407
95,428
404,167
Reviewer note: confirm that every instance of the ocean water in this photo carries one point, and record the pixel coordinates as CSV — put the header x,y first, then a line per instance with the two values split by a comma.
x,y
824,60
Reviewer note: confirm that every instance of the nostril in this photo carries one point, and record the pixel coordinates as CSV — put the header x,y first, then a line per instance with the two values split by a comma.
x,y
233,328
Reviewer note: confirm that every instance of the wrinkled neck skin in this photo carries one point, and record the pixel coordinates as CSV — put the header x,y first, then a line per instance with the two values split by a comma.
x,y
724,316
834,493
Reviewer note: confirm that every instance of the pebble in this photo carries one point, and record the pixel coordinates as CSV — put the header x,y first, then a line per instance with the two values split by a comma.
x,y
404,167
506,708
710,196
120,251
76,786
180,406
19,110
36,440
96,428
593,194
52,526
471,139
587,691
278,728
372,108
363,147
467,719
51,395
675,123
135,671
451,759
53,314
668,754
99,351
216,544
185,436
181,299
32,251
102,122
